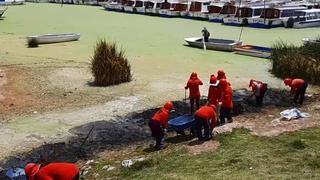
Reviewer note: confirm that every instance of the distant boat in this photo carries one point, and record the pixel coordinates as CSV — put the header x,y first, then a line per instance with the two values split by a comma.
x,y
310,40
214,9
214,44
54,38
274,17
227,10
2,10
12,2
199,9
256,51
176,9
303,19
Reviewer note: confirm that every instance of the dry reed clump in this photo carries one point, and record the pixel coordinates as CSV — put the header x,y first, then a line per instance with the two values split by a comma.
x,y
109,66
33,43
297,62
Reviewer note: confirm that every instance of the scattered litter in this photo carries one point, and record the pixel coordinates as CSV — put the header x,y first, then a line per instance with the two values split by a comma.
x,y
16,173
108,167
251,168
85,173
35,112
293,114
128,163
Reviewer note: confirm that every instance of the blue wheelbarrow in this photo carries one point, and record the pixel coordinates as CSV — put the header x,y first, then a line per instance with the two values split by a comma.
x,y
179,124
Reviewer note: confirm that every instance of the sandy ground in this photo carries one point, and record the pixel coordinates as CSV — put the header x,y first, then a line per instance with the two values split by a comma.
x,y
45,93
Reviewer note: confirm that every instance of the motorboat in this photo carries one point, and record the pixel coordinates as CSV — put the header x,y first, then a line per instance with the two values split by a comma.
x,y
227,10
274,16
303,19
54,38
242,15
199,9
214,44
175,9
256,51
153,9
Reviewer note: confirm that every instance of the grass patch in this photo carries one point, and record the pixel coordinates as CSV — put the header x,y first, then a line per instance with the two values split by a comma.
x,y
240,156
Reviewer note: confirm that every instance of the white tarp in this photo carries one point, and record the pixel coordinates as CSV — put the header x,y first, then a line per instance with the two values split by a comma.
x,y
293,114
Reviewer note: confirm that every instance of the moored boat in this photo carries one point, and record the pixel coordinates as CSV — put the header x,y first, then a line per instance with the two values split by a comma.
x,y
256,51
176,7
199,9
2,10
129,6
114,5
242,15
54,38
214,44
274,16
214,10
303,19
153,9
227,10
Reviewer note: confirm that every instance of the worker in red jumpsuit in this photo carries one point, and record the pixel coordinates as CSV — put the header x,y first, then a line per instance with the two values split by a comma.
x,y
194,93
259,89
205,117
52,171
226,101
214,92
298,87
159,123
221,75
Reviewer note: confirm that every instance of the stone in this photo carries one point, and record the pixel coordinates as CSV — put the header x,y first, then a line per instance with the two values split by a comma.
x,y
89,162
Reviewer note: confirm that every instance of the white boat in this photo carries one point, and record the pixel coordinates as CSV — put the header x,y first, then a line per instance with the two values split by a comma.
x,y
114,5
273,17
199,9
159,6
227,10
2,10
214,10
176,9
12,2
214,44
303,19
152,7
310,40
139,7
129,6
54,38
242,15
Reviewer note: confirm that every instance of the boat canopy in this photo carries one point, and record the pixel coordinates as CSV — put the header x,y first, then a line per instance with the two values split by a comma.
x,y
280,12
249,11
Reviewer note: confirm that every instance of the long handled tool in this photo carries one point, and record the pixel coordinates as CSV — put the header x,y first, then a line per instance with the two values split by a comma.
x,y
204,44
185,101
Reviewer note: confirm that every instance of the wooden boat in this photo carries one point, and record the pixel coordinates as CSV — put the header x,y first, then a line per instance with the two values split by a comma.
x,y
214,44
55,38
273,17
303,19
2,10
256,51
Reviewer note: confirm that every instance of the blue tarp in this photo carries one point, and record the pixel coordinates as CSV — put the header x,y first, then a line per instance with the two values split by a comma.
x,y
182,122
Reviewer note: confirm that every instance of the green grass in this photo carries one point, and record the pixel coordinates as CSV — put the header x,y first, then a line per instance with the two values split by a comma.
x,y
240,156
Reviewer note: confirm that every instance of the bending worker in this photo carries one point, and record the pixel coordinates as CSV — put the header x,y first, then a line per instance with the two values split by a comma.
x,y
205,117
226,101
194,93
298,87
159,123
52,171
259,89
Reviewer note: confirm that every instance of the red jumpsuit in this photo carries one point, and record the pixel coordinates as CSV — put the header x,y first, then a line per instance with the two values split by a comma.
x,y
57,171
299,87
205,117
194,93
226,104
158,122
259,89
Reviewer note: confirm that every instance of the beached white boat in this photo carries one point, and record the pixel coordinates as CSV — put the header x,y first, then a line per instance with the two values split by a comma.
x,y
303,19
55,38
12,2
256,51
2,10
214,44
274,17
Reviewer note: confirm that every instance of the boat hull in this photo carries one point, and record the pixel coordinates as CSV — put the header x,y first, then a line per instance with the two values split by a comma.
x,y
214,44
265,23
168,13
256,51
55,38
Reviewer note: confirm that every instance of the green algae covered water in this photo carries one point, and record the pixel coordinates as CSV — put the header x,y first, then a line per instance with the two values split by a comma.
x,y
155,46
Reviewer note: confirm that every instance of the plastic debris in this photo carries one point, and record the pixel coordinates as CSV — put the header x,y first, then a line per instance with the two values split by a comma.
x,y
293,114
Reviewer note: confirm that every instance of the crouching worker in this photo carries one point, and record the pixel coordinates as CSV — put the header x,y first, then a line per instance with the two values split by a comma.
x,y
298,87
205,117
259,89
52,171
159,123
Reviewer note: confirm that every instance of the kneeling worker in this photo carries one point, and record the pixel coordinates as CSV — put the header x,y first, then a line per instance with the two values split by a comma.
x,y
205,117
158,124
52,171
